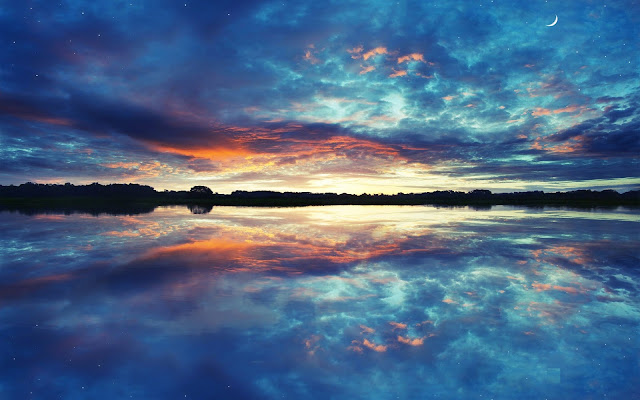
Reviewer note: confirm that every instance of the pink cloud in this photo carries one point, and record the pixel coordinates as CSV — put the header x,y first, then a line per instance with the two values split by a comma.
x,y
355,348
397,74
398,325
567,109
374,52
311,344
366,329
411,57
411,342
366,70
308,56
375,347
356,52
540,111
542,287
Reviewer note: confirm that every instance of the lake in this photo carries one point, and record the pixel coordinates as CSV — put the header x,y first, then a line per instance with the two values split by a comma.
x,y
339,302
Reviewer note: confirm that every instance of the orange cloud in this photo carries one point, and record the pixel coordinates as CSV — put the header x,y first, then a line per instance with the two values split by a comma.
x,y
366,329
212,153
311,344
398,73
540,111
567,109
572,253
243,149
374,52
355,348
541,287
203,252
398,325
308,56
411,57
411,342
550,312
448,98
366,70
573,145
449,301
356,52
375,347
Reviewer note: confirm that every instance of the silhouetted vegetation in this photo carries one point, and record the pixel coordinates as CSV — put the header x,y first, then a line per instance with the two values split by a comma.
x,y
134,198
199,192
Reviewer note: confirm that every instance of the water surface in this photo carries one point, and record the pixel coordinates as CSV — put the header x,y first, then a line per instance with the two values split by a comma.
x,y
341,302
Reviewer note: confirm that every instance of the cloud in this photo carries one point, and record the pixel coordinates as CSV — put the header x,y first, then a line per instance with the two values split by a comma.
x,y
411,57
398,325
410,341
366,329
194,87
366,70
374,52
375,347
396,74
541,287
310,57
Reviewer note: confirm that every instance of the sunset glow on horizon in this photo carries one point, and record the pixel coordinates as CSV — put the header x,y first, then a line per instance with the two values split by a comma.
x,y
358,97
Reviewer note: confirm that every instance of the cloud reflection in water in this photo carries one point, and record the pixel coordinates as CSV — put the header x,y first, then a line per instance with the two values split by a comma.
x,y
320,302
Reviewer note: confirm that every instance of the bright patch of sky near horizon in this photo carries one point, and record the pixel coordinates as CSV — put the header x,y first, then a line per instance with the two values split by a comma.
x,y
333,96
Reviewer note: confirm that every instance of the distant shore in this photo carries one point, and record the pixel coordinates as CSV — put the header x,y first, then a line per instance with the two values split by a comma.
x,y
141,198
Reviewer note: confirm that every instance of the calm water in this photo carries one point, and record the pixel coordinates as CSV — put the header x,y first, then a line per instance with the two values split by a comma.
x,y
344,302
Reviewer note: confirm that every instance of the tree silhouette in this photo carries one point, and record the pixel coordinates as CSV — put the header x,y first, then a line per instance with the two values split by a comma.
x,y
200,191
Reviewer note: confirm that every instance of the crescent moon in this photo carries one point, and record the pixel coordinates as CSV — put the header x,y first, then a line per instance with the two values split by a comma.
x,y
554,22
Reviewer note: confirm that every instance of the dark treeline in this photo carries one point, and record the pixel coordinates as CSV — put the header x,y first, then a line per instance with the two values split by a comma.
x,y
201,198
31,189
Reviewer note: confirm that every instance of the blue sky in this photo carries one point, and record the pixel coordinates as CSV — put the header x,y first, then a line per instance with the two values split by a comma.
x,y
342,96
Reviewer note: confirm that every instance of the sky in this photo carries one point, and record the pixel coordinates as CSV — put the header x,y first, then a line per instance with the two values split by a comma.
x,y
322,96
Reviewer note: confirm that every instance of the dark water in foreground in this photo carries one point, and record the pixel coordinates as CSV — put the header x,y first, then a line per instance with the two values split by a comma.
x,y
344,302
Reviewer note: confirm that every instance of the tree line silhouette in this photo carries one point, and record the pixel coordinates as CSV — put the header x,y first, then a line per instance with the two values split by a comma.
x,y
202,198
